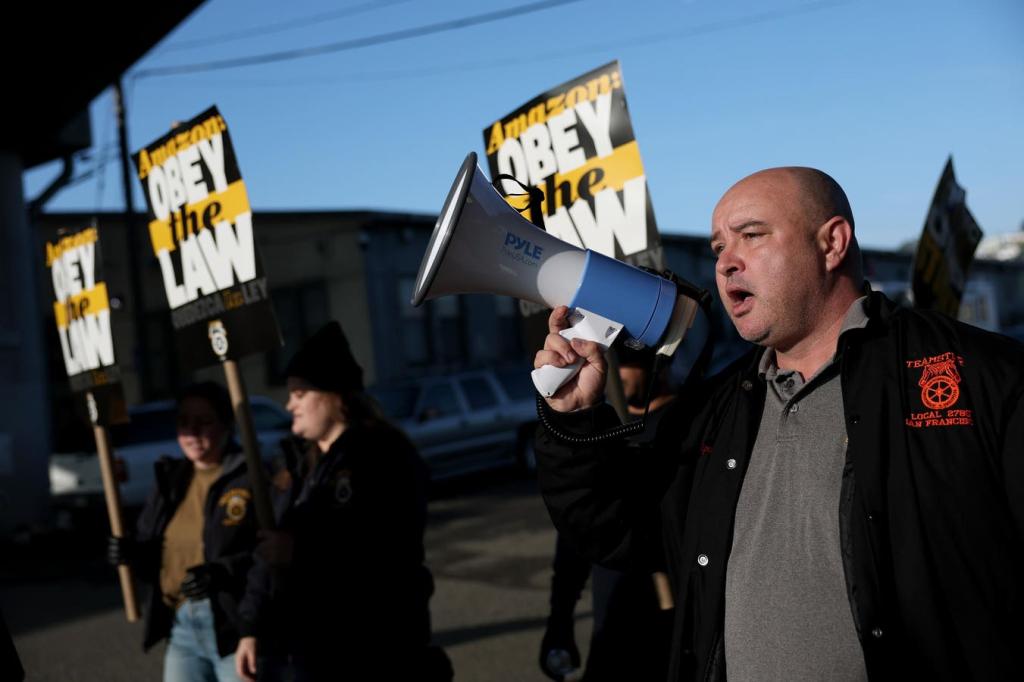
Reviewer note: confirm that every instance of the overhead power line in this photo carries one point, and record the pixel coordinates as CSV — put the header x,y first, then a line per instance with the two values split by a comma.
x,y
355,43
97,168
627,43
280,26
104,152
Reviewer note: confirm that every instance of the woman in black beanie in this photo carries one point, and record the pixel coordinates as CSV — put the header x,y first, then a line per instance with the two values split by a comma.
x,y
356,591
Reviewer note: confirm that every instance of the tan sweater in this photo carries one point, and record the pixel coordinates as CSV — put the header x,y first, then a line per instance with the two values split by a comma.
x,y
183,538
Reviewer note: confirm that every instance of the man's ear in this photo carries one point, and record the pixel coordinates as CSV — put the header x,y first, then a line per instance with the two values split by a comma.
x,y
834,239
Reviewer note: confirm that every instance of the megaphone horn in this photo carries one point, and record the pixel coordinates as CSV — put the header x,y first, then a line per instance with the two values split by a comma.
x,y
481,244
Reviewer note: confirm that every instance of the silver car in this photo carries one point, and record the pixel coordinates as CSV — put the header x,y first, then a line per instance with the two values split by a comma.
x,y
466,422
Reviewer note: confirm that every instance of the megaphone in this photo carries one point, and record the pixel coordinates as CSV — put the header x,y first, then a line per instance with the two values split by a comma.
x,y
480,244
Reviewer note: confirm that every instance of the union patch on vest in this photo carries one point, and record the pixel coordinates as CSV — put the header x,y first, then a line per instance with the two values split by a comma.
x,y
343,486
939,383
236,504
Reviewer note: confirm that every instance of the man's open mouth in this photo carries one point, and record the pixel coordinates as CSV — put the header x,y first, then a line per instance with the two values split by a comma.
x,y
740,300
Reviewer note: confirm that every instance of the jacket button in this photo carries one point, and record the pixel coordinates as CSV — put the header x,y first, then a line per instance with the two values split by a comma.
x,y
747,385
876,633
730,464
702,560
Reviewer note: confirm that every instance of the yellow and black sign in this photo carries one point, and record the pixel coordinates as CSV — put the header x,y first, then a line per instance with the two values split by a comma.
x,y
575,142
82,309
946,249
200,228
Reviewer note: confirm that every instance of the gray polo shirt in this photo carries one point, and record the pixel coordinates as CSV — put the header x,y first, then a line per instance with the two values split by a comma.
x,y
787,615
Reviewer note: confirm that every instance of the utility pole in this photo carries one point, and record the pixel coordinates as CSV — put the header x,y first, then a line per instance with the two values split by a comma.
x,y
141,350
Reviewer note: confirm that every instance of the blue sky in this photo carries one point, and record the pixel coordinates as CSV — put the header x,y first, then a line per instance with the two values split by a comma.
x,y
876,93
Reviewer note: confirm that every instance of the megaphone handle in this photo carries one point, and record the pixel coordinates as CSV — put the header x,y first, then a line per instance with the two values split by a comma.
x,y
548,378
583,325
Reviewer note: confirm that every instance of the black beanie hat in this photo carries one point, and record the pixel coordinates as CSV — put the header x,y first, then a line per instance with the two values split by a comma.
x,y
213,393
325,361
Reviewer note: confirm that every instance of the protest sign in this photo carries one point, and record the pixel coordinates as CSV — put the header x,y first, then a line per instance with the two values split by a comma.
x,y
946,248
576,143
82,312
201,232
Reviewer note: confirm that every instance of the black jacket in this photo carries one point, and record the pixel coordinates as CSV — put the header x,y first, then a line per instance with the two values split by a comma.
x,y
357,588
229,537
629,639
931,508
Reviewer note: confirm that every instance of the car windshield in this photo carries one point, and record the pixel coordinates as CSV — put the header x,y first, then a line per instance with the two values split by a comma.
x,y
145,427
150,425
398,402
439,400
517,384
478,393
267,418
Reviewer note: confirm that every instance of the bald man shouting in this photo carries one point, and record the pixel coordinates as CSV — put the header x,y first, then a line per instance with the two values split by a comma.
x,y
847,501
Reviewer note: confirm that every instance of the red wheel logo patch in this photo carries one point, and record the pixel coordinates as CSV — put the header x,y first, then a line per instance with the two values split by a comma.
x,y
940,391
939,384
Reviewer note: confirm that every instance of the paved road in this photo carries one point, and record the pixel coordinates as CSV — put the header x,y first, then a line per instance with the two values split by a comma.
x,y
489,544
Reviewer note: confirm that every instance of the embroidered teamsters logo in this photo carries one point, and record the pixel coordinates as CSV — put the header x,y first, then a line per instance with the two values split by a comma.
x,y
940,391
343,486
236,504
940,384
218,338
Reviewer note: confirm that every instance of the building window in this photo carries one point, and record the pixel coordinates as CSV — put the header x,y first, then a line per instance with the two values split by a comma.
x,y
301,310
448,318
161,364
510,328
415,339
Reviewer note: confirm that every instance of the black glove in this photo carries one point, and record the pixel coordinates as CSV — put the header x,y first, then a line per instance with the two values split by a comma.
x,y
121,550
558,652
202,580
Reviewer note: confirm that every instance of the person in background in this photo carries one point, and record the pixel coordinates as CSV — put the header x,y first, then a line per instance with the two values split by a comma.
x,y
355,589
629,640
194,542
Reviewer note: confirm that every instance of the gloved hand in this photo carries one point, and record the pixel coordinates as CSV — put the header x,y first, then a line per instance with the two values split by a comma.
x,y
558,653
202,580
121,550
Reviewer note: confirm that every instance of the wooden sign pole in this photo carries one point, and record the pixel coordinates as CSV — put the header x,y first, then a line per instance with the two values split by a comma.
x,y
243,418
113,498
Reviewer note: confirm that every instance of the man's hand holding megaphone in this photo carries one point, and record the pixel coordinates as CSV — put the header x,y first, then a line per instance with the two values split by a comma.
x,y
586,388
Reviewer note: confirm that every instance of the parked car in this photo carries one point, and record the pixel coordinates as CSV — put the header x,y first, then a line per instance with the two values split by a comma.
x,y
468,421
75,481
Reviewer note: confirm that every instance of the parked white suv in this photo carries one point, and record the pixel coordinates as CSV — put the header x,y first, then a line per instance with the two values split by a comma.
x,y
467,421
75,481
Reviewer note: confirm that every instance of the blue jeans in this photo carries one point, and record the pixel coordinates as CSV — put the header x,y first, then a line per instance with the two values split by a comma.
x,y
192,651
